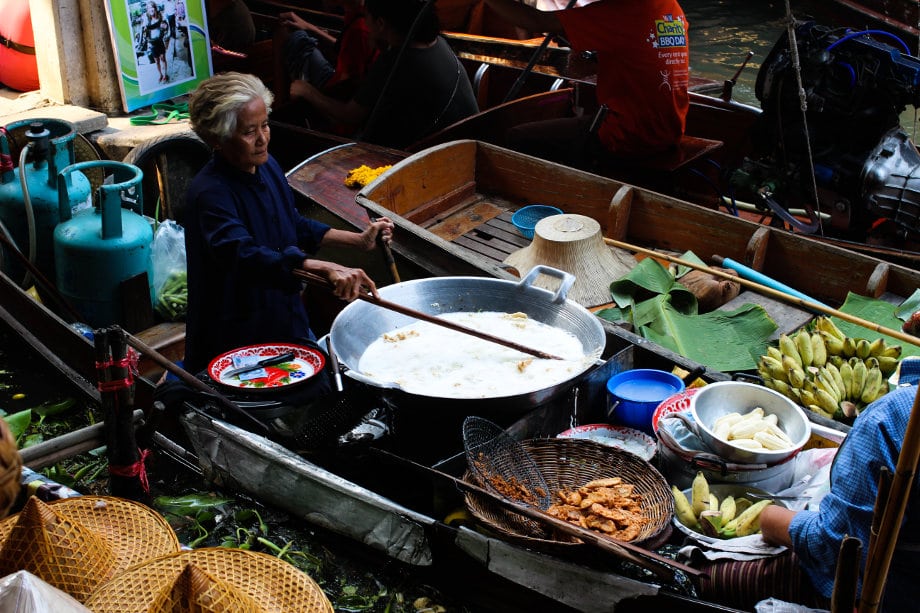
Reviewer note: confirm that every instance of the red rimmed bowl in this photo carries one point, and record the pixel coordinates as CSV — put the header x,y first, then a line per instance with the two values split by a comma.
x,y
307,362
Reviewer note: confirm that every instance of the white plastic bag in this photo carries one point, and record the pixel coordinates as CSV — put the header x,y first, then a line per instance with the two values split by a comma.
x,y
169,271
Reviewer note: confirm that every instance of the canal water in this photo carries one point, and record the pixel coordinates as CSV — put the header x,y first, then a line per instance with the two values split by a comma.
x,y
721,34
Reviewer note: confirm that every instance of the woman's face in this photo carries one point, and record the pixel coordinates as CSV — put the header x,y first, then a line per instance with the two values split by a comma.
x,y
247,147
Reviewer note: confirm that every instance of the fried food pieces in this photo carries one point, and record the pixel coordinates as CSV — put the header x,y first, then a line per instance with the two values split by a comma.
x,y
609,506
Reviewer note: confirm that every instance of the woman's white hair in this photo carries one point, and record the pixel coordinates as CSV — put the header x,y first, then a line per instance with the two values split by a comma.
x,y
216,103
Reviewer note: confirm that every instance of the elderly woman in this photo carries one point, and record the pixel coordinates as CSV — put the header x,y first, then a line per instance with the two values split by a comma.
x,y
244,236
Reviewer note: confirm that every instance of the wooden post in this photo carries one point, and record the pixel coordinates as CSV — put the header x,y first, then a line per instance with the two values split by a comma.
x,y
128,477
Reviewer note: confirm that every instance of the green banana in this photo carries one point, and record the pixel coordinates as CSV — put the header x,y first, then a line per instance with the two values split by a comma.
x,y
682,509
711,523
891,351
772,367
783,388
796,377
820,411
828,403
818,350
822,382
803,344
807,397
863,347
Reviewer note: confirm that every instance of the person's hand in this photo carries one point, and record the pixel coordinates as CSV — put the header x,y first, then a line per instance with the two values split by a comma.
x,y
349,283
382,228
293,20
303,89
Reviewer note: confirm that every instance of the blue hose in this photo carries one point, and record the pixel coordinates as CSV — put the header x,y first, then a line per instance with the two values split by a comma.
x,y
752,275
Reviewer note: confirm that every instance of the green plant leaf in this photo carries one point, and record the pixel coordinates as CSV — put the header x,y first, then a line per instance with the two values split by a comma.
x,y
19,422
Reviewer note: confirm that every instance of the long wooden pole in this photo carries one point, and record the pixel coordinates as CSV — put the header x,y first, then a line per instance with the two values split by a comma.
x,y
769,291
879,557
392,306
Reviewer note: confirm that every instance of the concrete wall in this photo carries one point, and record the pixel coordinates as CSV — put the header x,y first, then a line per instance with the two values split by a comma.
x,y
73,51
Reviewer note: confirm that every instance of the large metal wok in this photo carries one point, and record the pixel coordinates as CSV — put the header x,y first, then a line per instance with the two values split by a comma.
x,y
361,323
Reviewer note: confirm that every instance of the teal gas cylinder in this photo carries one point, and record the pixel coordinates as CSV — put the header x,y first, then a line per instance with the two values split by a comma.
x,y
29,210
98,248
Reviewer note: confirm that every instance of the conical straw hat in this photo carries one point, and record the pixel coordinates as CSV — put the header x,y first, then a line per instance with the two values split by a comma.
x,y
10,469
76,543
574,244
211,580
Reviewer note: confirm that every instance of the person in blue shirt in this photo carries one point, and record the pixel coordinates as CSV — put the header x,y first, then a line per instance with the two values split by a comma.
x,y
243,235
874,443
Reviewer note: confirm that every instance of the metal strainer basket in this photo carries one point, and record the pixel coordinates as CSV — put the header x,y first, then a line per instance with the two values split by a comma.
x,y
502,465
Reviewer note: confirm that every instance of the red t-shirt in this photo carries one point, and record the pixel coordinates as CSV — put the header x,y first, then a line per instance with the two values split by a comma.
x,y
643,69
356,51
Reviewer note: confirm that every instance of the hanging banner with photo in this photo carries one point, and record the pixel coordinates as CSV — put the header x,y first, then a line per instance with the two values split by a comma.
x,y
161,47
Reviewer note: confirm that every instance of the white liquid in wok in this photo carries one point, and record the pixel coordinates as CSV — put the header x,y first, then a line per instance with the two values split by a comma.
x,y
431,360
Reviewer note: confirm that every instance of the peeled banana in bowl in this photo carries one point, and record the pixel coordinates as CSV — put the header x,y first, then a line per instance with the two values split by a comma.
x,y
827,372
702,512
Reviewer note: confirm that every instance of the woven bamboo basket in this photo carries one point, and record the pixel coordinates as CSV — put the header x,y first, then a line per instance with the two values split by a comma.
x,y
10,469
567,464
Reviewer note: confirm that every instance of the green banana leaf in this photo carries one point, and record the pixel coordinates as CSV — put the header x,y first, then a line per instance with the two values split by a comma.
x,y
665,312
879,312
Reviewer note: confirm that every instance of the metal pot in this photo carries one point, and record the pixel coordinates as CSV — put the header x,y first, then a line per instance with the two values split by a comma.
x,y
361,323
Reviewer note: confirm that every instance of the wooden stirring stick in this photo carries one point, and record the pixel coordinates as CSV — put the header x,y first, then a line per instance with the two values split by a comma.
x,y
392,306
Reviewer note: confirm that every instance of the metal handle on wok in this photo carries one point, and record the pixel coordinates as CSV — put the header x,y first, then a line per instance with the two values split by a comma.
x,y
566,280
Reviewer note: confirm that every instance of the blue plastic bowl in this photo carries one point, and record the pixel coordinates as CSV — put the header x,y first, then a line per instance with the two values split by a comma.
x,y
635,394
525,219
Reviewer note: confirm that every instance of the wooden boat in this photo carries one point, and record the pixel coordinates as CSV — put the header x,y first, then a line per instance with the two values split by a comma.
x,y
900,16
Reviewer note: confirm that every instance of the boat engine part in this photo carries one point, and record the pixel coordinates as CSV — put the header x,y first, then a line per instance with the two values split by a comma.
x,y
849,145
98,248
29,205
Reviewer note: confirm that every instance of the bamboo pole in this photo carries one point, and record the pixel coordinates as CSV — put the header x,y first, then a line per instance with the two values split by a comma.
x,y
843,598
879,557
769,291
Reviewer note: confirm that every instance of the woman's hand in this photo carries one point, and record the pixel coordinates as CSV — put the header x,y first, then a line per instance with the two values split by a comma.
x,y
293,20
381,228
347,283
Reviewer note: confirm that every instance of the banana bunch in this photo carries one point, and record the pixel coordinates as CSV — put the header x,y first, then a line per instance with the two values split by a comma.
x,y
706,514
827,372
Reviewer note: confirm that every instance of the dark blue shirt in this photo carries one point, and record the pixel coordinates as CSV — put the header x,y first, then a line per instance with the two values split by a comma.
x,y
243,239
875,441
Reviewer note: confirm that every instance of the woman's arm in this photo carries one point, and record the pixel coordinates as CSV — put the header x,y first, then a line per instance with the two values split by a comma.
x,y
350,113
365,240
293,20
774,525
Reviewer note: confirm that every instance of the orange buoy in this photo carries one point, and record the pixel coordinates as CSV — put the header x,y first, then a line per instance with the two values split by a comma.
x,y
18,68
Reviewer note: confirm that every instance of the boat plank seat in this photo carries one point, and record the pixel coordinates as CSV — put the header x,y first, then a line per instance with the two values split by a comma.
x,y
683,156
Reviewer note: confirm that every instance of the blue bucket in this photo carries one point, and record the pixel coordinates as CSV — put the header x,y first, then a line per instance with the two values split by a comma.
x,y
635,394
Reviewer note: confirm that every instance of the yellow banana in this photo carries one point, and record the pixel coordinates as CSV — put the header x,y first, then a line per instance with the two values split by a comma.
x,y
887,364
773,367
877,346
728,509
796,377
807,397
713,502
891,351
827,402
818,350
849,347
820,411
822,382
783,388
803,344
825,324
747,522
789,348
699,494
837,379
832,344
846,374
859,378
683,510
874,380
775,353
863,347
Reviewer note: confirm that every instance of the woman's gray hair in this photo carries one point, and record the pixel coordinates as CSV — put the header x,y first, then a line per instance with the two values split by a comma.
x,y
215,104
